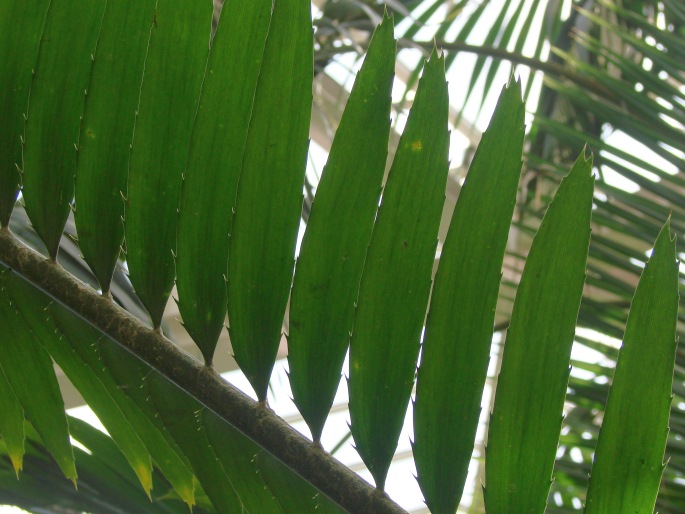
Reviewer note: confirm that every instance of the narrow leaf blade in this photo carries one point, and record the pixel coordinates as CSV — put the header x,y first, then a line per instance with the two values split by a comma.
x,y
30,372
214,164
526,419
456,344
21,26
339,227
174,68
238,456
129,374
628,462
395,284
107,131
96,393
181,415
269,201
11,423
54,116
89,380
291,491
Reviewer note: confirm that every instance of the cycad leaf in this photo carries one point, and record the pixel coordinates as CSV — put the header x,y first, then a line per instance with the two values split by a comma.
x,y
11,423
54,116
21,26
213,168
174,67
396,280
32,305
338,231
456,344
526,419
31,375
628,461
107,131
269,200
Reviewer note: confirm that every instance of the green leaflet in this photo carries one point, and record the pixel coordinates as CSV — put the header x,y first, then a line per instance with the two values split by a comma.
x,y
332,253
294,494
21,26
263,484
54,114
629,456
129,374
458,336
11,423
180,414
106,470
32,305
28,369
107,131
174,68
213,169
269,198
396,281
107,485
526,418
75,346
238,456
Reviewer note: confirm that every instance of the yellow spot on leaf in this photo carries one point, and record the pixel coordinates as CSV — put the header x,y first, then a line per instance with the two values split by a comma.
x,y
144,472
417,146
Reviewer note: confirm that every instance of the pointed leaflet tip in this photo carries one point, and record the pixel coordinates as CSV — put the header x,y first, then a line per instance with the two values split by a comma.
x,y
17,463
628,463
458,335
144,474
587,155
534,372
436,52
332,253
513,79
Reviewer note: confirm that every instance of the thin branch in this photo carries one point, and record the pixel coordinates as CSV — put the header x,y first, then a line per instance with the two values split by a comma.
x,y
502,54
549,67
261,425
